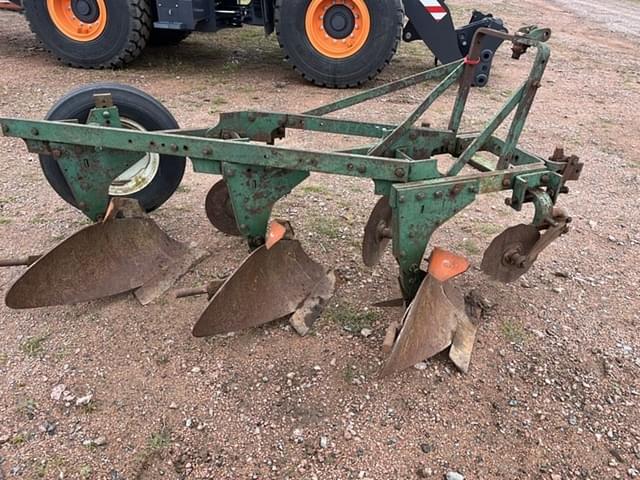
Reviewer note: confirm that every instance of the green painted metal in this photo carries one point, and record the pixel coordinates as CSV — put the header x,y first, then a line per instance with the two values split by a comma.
x,y
399,159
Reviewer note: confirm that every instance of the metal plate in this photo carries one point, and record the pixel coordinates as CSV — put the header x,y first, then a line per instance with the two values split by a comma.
x,y
515,240
270,284
101,260
220,210
374,242
428,326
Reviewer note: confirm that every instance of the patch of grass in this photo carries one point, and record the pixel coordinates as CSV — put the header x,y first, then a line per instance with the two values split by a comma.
x,y
4,359
632,164
349,374
86,471
34,346
159,440
183,189
470,247
5,221
350,318
328,227
19,439
488,228
513,331
318,189
28,408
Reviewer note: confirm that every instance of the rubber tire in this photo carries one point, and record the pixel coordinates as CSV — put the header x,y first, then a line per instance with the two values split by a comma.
x,y
134,105
387,18
166,37
126,34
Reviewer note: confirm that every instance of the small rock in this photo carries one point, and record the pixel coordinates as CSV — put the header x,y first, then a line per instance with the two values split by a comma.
x,y
420,366
426,448
573,420
57,391
4,439
348,435
366,332
86,400
196,370
173,406
633,472
424,472
555,476
100,442
593,224
557,290
298,435
454,476
324,442
513,403
613,462
49,427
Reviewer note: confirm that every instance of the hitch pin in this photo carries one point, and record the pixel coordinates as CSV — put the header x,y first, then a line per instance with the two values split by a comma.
x,y
19,262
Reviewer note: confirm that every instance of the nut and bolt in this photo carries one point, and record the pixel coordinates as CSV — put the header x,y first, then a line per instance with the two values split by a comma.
x,y
439,194
506,182
399,172
421,196
35,132
207,151
401,199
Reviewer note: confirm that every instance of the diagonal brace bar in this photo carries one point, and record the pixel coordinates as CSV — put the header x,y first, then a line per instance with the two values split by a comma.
x,y
383,147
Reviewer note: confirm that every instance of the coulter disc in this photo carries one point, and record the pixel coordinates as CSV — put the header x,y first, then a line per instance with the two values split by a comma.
x,y
220,210
499,261
377,233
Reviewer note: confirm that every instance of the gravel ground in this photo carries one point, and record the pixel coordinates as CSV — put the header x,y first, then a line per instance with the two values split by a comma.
x,y
112,390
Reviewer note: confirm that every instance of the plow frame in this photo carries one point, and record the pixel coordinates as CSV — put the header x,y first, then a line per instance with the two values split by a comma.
x,y
399,158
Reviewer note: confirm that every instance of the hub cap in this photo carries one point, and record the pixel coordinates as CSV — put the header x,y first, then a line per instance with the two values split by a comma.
x,y
79,20
338,28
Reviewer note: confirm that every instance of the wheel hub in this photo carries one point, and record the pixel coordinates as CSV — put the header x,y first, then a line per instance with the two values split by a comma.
x,y
86,11
339,22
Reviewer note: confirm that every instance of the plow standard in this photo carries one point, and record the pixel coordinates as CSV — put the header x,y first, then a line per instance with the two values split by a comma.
x,y
104,160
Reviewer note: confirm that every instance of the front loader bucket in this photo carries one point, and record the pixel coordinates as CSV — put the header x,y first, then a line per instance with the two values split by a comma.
x,y
270,284
105,259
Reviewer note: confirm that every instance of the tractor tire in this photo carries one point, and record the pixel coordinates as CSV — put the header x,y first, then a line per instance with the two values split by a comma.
x,y
339,43
91,33
161,37
151,186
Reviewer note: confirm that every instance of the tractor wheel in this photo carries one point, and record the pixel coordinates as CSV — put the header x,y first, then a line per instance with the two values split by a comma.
x,y
339,43
91,33
152,180
163,36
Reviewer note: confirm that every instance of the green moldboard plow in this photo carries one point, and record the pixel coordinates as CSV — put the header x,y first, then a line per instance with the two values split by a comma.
x,y
85,157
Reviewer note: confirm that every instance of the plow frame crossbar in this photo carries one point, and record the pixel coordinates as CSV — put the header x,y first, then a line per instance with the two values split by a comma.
x,y
400,162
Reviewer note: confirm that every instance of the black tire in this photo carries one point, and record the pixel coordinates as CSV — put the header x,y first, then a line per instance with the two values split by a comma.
x,y
134,105
165,37
127,31
387,18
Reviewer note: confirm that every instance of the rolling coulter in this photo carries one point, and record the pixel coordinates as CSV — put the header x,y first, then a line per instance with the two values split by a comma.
x,y
125,250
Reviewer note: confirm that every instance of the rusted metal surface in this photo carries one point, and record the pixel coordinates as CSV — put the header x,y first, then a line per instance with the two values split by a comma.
x,y
105,259
220,210
19,262
270,284
7,5
377,233
209,290
499,261
429,325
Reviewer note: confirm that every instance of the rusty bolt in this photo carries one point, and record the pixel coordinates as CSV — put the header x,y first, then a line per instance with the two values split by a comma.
x,y
439,194
35,132
421,196
508,202
106,114
251,117
399,172
173,147
544,179
207,151
362,169
349,166
506,182
56,153
413,135
401,199
473,189
82,205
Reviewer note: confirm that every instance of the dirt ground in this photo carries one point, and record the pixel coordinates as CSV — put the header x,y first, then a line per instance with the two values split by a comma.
x,y
554,387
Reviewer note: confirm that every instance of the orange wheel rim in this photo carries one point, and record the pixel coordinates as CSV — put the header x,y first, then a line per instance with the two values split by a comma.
x,y
338,28
82,21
